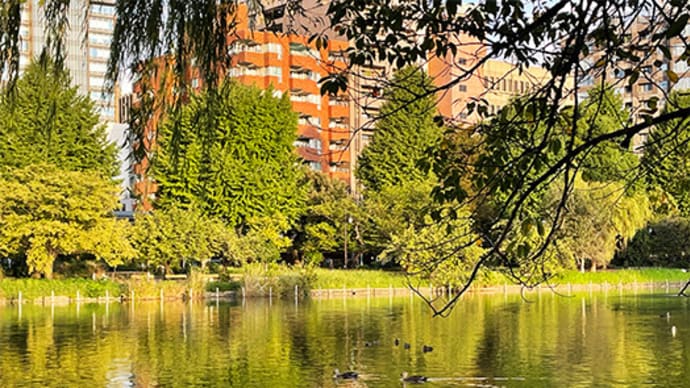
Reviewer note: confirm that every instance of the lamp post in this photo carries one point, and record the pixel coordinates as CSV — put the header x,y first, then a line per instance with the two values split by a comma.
x,y
349,221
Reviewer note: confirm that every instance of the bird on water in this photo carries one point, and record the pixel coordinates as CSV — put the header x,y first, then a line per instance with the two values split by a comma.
x,y
416,379
348,375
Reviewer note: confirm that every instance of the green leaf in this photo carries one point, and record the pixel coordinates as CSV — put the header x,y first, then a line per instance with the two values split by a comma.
x,y
677,26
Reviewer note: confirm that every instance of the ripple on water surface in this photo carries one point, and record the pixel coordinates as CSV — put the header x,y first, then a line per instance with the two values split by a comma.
x,y
584,340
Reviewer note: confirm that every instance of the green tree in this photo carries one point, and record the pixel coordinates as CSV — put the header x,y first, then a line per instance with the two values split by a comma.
x,y
444,252
393,209
168,237
46,212
45,120
325,224
173,238
598,219
662,243
667,155
230,153
403,135
603,112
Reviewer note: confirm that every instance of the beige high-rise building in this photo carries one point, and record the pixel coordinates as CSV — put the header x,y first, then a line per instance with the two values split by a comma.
x,y
87,45
87,50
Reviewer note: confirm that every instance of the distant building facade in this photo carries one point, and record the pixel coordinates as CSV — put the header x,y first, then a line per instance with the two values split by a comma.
x,y
87,45
656,72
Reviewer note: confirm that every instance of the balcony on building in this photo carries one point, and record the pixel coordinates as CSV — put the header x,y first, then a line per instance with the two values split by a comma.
x,y
338,145
250,73
102,9
338,128
304,57
309,123
337,55
309,149
339,106
304,102
304,79
339,167
247,52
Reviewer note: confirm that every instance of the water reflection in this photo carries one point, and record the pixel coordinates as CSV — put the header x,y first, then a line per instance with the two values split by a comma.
x,y
584,340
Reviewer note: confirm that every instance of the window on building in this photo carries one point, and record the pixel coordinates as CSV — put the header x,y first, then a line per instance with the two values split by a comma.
x,y
96,82
646,69
102,9
101,24
100,39
107,111
98,67
106,98
99,53
647,87
298,49
274,48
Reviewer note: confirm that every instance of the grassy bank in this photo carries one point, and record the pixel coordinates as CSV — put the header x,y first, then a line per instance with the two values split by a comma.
x,y
358,278
38,288
624,276
282,281
87,288
363,278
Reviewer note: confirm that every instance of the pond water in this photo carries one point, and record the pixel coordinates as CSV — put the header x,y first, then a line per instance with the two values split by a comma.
x,y
498,340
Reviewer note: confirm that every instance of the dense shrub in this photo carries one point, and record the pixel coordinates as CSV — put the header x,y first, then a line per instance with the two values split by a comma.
x,y
665,243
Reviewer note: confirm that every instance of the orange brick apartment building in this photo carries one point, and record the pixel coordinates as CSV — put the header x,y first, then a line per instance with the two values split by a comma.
x,y
290,65
333,131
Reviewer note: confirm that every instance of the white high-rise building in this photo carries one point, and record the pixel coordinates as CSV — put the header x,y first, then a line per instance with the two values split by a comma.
x,y
87,51
87,45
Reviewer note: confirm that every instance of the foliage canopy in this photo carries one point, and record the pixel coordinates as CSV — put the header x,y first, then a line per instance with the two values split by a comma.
x,y
230,153
403,135
47,212
46,120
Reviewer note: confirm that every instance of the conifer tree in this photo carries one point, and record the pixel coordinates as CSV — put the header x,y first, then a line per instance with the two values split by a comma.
x,y
230,153
45,120
404,134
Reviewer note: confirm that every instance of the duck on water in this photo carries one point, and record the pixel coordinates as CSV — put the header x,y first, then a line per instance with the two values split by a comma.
x,y
415,379
347,375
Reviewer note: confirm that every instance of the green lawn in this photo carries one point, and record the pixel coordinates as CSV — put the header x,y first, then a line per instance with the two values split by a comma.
x,y
358,278
325,278
362,278
37,288
625,276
